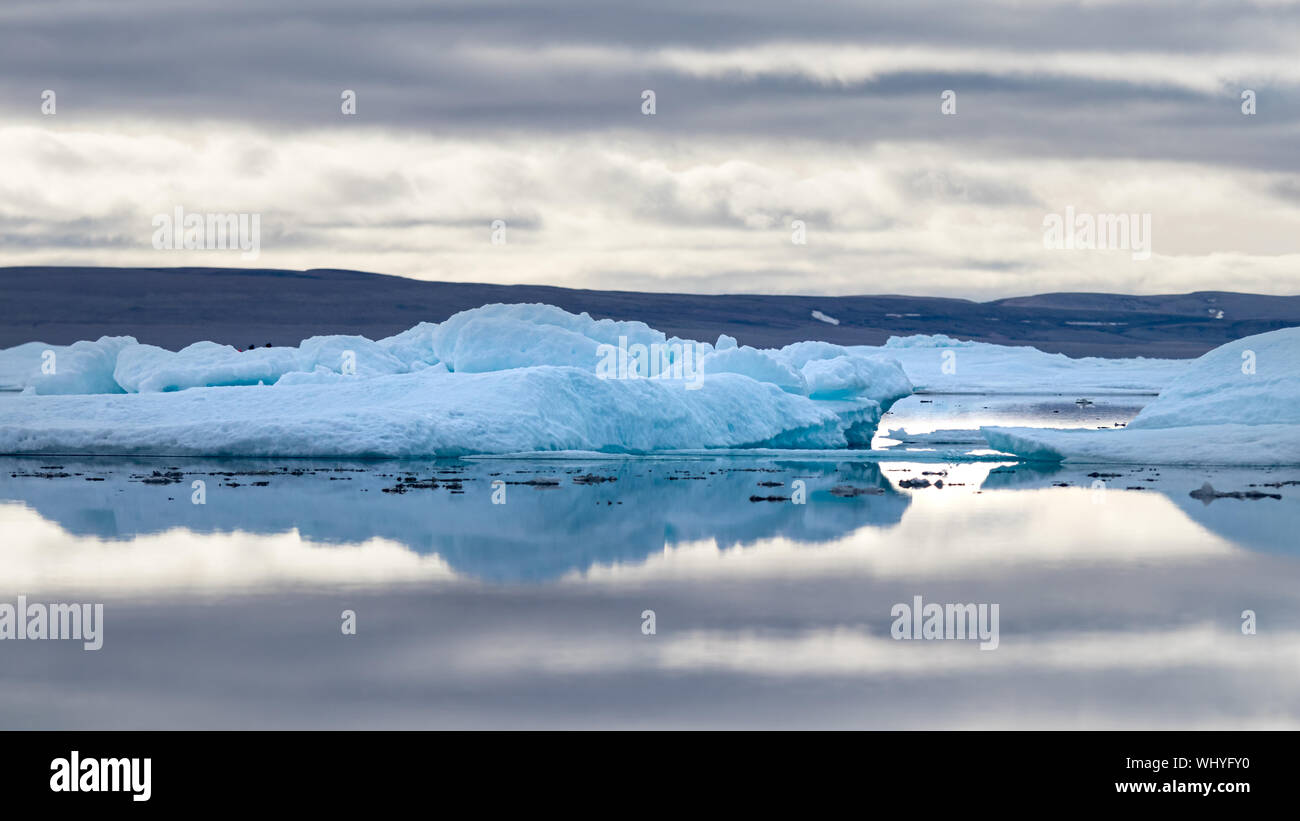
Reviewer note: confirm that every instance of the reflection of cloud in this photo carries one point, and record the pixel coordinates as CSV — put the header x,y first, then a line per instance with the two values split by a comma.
x,y
1124,614
844,651
952,532
1143,648
1264,524
1268,525
538,535
312,531
42,556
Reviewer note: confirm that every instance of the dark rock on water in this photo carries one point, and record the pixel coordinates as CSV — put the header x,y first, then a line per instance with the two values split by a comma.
x,y
171,477
850,491
593,479
1206,493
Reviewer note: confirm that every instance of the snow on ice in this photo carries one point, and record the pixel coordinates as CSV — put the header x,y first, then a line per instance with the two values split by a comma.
x,y
523,378
1239,404
496,379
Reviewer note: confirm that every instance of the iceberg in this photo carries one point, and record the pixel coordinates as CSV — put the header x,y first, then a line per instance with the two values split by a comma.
x,y
834,371
929,341
757,365
1239,404
496,379
940,364
498,337
20,364
82,367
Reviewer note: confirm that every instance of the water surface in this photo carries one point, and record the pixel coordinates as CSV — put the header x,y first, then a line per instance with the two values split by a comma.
x,y
1120,595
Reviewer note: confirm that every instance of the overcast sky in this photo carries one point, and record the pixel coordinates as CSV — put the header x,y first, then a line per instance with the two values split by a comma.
x,y
766,113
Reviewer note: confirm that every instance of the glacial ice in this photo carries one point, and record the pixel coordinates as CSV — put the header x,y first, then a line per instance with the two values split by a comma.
x,y
513,336
526,378
941,364
760,366
433,414
496,379
82,367
928,341
1239,404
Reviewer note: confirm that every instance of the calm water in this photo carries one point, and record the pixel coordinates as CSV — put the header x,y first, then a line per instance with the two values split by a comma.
x,y
1120,596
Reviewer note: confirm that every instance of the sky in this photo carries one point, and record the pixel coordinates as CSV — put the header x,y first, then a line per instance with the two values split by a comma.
x,y
773,123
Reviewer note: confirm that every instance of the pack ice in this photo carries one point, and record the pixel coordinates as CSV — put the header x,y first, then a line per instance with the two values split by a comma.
x,y
496,379
1239,404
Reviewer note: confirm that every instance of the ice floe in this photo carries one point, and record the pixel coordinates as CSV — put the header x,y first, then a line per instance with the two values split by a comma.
x,y
1239,404
497,379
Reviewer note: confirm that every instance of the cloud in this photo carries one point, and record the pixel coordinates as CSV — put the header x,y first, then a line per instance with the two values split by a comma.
x,y
470,112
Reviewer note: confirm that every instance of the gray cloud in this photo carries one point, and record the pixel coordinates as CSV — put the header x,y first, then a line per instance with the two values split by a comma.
x,y
465,67
1043,90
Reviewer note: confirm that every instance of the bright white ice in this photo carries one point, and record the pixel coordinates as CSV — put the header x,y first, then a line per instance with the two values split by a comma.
x,y
1239,404
940,364
525,378
497,379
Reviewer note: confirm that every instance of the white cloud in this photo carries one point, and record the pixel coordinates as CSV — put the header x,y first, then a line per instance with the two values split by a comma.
x,y
635,211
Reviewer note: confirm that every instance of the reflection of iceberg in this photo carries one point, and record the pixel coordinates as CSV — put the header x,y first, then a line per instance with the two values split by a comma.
x,y
1267,525
539,533
1239,404
497,379
1021,474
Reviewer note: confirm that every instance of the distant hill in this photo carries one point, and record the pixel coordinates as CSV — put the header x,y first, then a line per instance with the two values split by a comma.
x,y
173,307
